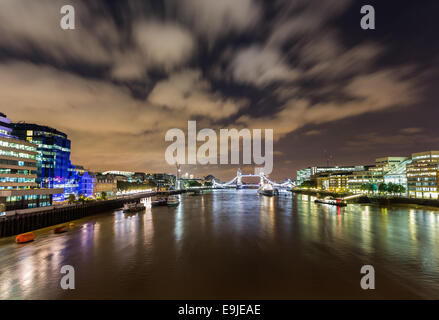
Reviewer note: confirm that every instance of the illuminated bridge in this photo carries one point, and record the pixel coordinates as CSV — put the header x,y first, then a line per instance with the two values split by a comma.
x,y
237,181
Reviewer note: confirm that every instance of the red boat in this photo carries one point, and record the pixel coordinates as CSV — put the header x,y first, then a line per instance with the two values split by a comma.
x,y
25,237
61,229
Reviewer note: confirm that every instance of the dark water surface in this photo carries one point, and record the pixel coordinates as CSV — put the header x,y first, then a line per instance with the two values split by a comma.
x,y
232,245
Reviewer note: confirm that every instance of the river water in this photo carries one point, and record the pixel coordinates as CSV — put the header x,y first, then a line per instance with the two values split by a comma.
x,y
231,244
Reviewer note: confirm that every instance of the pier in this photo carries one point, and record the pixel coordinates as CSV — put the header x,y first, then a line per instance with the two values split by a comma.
x,y
21,221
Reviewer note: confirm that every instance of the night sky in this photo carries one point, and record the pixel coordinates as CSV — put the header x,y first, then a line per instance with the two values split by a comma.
x,y
134,69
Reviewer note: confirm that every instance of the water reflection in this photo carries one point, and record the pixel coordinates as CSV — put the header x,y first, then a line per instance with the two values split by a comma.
x,y
217,244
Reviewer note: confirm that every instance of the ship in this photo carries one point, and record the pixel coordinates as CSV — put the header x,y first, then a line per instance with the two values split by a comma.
x,y
331,201
156,202
268,190
133,207
173,201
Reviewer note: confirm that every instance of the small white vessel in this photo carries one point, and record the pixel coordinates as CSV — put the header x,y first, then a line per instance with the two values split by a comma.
x,y
173,201
267,190
133,207
335,202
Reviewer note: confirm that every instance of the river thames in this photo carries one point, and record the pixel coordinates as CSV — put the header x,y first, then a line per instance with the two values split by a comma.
x,y
231,244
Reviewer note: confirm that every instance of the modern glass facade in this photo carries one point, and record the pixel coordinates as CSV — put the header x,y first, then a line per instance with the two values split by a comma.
x,y
308,173
164,181
5,126
422,175
19,173
53,161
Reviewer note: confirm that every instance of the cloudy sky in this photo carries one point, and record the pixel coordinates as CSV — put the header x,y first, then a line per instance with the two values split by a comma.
x,y
134,69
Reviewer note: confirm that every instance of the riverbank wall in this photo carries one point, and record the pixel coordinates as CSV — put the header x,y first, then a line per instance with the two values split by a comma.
x,y
380,200
21,221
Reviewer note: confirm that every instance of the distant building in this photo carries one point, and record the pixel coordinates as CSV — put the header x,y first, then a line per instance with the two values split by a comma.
x,y
79,169
84,181
53,159
5,126
422,175
139,177
103,183
164,181
333,181
385,170
18,173
311,172
117,177
359,178
86,185
120,175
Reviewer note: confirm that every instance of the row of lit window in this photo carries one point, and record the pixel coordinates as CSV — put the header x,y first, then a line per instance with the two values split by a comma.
x,y
19,146
16,163
27,197
17,154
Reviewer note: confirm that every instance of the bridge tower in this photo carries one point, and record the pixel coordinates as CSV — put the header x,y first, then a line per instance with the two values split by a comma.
x,y
261,178
239,178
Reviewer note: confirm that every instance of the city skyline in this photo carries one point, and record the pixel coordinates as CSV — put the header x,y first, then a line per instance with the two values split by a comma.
x,y
132,71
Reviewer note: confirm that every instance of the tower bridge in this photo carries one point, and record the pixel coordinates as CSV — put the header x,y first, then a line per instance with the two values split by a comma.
x,y
237,181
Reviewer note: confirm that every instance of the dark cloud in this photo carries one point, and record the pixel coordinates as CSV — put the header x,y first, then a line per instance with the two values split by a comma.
x,y
134,69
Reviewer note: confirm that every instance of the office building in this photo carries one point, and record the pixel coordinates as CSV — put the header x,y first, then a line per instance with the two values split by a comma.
x,y
311,172
18,173
385,170
422,175
104,183
53,159
164,181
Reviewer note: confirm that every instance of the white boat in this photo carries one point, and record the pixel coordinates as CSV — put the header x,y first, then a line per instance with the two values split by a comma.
x,y
268,190
173,201
133,207
335,202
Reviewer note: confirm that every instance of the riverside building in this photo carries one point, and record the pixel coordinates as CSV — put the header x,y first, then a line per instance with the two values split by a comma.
x,y
53,161
385,170
422,175
311,172
18,173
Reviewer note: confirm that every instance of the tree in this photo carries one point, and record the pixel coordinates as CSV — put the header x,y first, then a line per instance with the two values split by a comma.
x,y
81,198
193,183
402,189
132,186
309,184
72,198
382,188
365,187
392,188
104,195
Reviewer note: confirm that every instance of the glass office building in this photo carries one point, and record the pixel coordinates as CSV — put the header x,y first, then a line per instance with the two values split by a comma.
x,y
18,173
423,175
53,160
5,126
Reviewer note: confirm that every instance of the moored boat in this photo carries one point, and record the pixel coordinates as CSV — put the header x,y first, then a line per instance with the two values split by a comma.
x,y
268,190
133,207
173,201
335,202
60,229
159,202
25,237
